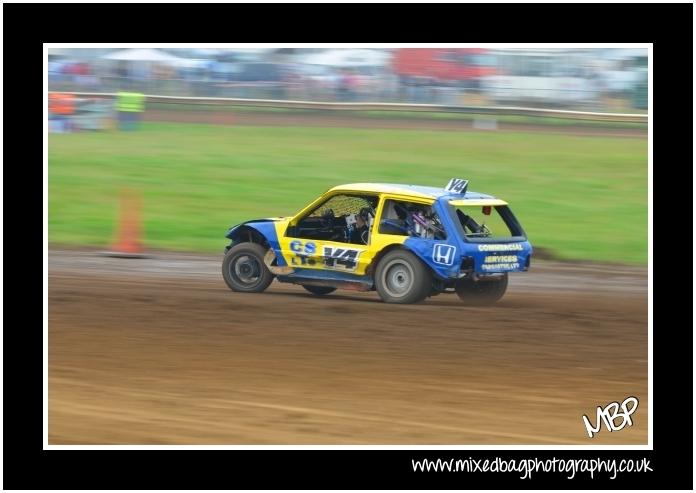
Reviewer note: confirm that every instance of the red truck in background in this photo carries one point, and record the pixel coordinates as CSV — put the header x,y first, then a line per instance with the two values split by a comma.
x,y
461,66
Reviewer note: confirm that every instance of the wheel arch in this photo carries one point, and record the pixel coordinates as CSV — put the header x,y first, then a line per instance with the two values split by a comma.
x,y
390,248
247,233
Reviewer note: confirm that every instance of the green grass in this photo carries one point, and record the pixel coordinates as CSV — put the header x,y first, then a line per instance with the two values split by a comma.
x,y
581,197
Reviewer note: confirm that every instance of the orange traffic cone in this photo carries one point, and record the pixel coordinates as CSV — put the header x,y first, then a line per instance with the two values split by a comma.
x,y
128,243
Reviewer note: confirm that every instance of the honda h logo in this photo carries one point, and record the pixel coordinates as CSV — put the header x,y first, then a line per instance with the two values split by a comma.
x,y
443,254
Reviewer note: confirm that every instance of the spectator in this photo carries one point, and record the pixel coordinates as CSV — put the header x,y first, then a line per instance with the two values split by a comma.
x,y
343,86
130,107
61,107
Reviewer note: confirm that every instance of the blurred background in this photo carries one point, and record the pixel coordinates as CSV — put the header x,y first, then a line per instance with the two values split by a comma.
x,y
154,153
211,137
591,79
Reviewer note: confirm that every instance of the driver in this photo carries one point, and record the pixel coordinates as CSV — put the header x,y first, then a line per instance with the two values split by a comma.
x,y
359,233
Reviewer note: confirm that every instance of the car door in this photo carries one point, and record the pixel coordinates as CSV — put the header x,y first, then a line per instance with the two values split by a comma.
x,y
313,243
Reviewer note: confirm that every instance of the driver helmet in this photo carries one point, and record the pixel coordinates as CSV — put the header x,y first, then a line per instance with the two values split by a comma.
x,y
366,213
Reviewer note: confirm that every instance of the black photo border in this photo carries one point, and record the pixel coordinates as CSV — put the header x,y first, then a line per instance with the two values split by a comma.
x,y
27,26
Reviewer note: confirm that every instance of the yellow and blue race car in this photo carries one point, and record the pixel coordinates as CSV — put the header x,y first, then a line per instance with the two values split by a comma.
x,y
406,242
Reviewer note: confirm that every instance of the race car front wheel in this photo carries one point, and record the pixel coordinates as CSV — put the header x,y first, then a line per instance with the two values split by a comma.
x,y
244,270
401,278
481,293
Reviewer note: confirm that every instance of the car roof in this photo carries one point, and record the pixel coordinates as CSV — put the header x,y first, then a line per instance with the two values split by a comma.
x,y
415,191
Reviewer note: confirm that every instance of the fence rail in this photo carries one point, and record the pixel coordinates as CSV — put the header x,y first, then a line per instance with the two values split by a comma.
x,y
403,107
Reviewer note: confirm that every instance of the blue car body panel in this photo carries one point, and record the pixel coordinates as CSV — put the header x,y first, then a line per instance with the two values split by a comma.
x,y
265,227
445,257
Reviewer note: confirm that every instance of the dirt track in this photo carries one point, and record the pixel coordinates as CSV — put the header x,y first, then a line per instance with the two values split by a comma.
x,y
159,351
351,121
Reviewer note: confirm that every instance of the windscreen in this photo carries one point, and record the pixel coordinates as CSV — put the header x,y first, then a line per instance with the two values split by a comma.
x,y
487,222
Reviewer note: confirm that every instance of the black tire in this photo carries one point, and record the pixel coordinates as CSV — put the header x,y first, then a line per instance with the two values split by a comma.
x,y
319,290
244,270
481,293
401,277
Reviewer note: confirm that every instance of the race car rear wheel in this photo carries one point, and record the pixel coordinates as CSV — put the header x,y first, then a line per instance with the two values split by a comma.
x,y
244,270
481,293
401,278
320,290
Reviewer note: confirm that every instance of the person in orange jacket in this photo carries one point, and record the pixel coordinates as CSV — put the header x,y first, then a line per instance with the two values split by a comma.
x,y
61,107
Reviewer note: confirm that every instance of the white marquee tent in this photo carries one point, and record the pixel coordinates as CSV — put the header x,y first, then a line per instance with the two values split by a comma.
x,y
144,55
347,58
